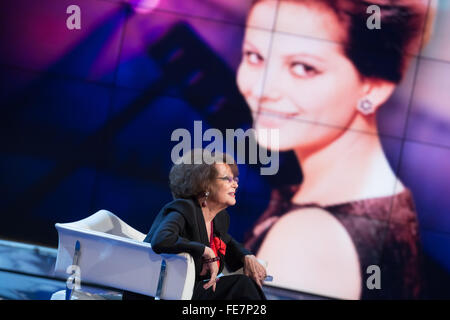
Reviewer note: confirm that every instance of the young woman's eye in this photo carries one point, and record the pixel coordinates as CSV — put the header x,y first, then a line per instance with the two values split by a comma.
x,y
302,70
253,58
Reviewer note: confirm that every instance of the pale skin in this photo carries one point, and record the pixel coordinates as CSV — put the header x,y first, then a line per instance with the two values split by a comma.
x,y
222,195
306,87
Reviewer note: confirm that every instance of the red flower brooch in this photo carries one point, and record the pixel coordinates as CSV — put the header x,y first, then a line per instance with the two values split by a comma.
x,y
219,246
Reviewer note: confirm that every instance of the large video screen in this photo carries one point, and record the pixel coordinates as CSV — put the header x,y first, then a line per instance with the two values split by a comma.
x,y
337,113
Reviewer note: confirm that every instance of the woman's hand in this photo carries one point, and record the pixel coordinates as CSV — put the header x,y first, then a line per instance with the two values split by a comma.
x,y
211,267
254,270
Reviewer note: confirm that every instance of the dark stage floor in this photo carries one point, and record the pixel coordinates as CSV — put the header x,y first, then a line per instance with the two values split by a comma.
x,y
26,273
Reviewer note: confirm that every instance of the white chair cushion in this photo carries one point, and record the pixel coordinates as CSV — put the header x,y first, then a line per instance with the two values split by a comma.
x,y
112,254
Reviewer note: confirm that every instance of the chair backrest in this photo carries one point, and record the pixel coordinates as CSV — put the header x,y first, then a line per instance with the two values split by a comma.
x,y
113,254
105,221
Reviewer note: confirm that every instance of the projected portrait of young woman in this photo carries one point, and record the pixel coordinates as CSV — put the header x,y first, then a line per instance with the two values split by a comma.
x,y
319,74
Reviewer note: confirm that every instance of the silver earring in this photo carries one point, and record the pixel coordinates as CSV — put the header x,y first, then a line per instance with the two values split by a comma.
x,y
206,198
365,106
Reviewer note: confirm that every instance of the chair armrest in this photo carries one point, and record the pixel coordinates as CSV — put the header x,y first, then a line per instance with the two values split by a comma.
x,y
123,263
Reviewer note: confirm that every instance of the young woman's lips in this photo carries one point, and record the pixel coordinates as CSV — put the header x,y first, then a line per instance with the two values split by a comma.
x,y
273,119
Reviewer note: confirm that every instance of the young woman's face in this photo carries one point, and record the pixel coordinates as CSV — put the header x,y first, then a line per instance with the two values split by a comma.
x,y
297,79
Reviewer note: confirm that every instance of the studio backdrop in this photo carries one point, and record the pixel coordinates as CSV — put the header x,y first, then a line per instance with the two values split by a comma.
x,y
92,92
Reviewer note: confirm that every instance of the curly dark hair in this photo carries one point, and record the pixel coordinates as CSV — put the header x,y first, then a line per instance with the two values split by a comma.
x,y
194,174
380,53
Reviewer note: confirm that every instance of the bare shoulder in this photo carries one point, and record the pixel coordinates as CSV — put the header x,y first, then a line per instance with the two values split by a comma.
x,y
306,226
309,249
305,218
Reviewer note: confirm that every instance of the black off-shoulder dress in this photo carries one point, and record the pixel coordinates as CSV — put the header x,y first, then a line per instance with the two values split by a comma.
x,y
384,231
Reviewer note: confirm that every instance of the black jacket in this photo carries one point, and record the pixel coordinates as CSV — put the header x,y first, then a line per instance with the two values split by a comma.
x,y
180,227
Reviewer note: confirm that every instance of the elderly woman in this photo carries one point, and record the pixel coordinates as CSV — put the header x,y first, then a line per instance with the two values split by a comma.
x,y
203,186
316,72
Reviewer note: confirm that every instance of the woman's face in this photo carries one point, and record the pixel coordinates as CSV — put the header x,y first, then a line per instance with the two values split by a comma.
x,y
297,79
223,191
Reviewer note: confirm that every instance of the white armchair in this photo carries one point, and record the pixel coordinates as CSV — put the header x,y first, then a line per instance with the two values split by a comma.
x,y
113,254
